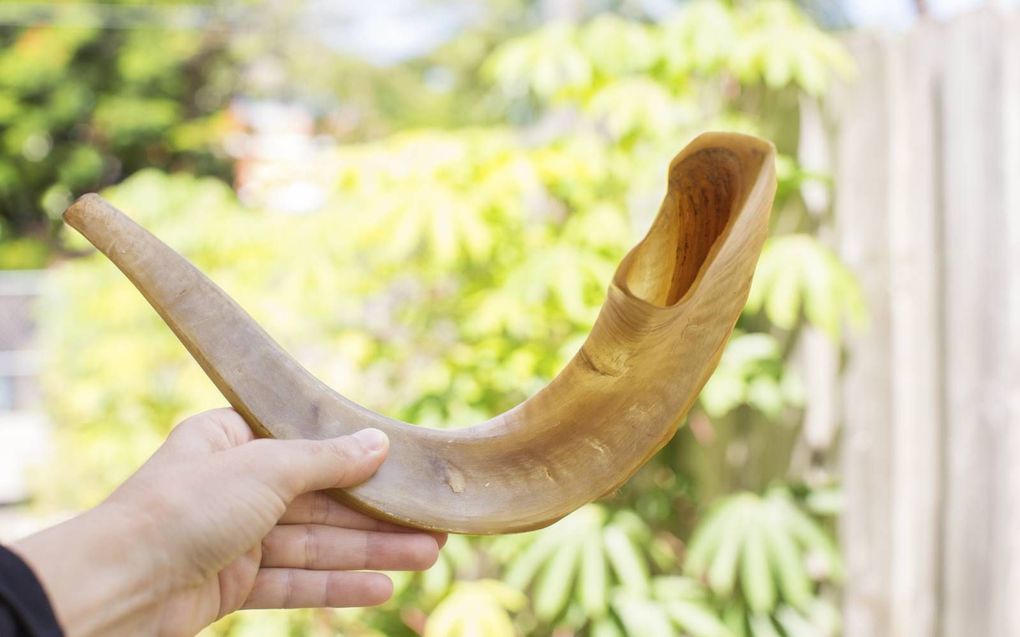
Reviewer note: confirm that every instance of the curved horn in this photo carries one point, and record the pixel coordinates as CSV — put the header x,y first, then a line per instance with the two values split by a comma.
x,y
671,307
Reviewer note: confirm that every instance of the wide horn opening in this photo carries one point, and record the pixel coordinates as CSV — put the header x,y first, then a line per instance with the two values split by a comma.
x,y
702,197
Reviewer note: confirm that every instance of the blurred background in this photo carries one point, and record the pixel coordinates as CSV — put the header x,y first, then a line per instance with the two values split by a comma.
x,y
424,201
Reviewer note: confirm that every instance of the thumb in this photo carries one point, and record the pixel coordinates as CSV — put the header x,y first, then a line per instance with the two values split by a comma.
x,y
293,467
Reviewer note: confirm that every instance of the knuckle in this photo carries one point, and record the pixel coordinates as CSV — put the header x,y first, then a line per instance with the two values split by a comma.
x,y
187,429
341,458
268,548
310,543
226,416
332,588
318,509
369,548
277,462
261,450
289,589
343,450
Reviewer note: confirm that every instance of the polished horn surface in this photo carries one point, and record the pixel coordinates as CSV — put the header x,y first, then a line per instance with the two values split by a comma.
x,y
669,312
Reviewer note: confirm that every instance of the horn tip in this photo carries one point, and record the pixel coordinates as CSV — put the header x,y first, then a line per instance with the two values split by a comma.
x,y
87,206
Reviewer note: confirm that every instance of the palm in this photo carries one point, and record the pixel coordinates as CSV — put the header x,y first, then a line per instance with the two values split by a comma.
x,y
187,611
248,543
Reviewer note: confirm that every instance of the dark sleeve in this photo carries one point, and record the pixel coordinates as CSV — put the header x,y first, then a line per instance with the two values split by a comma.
x,y
25,610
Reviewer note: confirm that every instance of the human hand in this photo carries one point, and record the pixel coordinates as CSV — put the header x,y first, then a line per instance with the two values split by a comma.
x,y
216,521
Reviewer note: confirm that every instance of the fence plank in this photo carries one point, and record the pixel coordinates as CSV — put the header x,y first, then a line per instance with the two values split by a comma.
x,y
1010,577
914,293
928,214
976,481
861,169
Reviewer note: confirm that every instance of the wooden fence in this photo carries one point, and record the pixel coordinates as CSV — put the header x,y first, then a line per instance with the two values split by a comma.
x,y
926,160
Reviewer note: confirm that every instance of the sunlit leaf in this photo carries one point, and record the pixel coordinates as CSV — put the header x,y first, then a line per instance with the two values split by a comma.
x,y
765,544
476,609
755,576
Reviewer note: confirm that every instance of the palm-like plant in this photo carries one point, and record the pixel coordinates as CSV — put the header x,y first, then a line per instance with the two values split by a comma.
x,y
595,571
764,559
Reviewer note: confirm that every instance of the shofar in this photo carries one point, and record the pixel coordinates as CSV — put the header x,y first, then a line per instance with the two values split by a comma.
x,y
671,307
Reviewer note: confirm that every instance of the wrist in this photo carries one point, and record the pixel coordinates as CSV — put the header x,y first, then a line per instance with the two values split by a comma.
x,y
96,571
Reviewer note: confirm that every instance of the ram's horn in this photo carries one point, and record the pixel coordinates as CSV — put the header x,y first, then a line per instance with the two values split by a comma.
x,y
671,307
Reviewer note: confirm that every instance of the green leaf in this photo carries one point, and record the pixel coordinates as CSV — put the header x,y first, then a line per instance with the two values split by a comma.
x,y
640,616
605,627
475,608
82,166
762,626
808,532
794,584
794,624
764,393
127,119
755,578
524,568
593,585
723,392
783,301
707,538
677,587
552,589
628,564
696,620
436,580
736,620
633,525
722,574
618,46
797,270
825,501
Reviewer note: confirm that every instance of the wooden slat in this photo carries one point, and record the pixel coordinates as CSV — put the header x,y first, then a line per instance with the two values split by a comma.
x,y
886,217
817,355
862,174
928,215
976,478
1010,577
915,424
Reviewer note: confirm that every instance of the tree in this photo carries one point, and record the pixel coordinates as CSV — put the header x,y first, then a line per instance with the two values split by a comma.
x,y
83,106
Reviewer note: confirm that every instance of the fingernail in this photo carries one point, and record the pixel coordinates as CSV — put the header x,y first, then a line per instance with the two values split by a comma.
x,y
371,439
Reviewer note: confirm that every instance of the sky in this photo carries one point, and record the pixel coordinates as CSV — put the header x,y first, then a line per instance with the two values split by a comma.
x,y
898,14
388,31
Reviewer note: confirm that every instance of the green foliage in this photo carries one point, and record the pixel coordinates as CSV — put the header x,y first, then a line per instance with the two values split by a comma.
x,y
797,273
593,572
476,608
751,373
80,107
754,555
23,253
581,560
657,73
451,274
597,571
459,560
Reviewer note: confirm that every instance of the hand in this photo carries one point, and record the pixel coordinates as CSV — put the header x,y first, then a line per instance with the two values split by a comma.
x,y
216,521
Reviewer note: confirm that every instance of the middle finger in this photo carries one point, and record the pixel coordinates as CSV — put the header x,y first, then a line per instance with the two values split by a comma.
x,y
319,547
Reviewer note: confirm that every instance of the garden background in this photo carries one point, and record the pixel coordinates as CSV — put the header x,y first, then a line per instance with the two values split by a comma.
x,y
424,202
